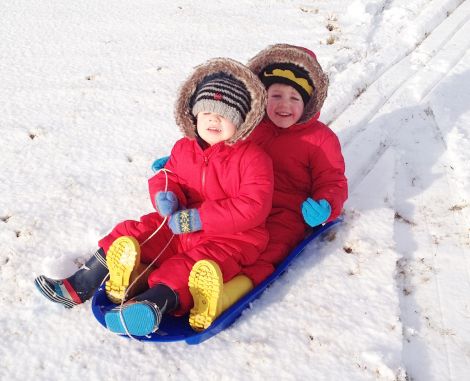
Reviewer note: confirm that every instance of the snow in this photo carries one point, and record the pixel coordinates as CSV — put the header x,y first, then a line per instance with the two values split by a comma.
x,y
87,100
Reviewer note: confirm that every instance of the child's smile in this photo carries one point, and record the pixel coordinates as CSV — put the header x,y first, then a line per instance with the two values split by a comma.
x,y
214,129
284,114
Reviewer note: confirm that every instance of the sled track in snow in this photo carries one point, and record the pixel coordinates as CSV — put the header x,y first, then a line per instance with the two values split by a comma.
x,y
391,77
368,128
368,137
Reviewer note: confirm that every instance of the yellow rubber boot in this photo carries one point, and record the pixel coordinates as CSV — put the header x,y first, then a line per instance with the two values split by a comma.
x,y
234,289
210,295
123,257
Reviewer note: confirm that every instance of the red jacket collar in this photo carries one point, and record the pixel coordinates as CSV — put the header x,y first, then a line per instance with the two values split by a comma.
x,y
205,149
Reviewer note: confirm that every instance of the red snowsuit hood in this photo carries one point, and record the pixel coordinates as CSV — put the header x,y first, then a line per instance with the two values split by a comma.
x,y
187,122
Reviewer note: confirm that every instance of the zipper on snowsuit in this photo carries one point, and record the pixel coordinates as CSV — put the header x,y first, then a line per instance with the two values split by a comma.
x,y
203,177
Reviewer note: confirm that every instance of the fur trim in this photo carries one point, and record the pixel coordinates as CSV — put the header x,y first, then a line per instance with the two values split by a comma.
x,y
186,121
303,58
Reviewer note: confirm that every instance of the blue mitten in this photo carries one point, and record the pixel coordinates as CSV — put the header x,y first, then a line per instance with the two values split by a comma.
x,y
166,203
185,221
315,213
160,163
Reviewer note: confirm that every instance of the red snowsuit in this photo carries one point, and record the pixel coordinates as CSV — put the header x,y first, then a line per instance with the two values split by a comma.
x,y
231,186
230,183
307,162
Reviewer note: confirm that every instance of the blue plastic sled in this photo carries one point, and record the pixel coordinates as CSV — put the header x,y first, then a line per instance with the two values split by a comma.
x,y
177,328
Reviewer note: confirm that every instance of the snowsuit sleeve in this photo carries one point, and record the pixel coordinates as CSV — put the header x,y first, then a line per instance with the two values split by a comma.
x,y
158,182
250,208
328,179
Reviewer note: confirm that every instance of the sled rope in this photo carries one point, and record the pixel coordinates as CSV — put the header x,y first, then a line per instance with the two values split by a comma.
x,y
136,279
121,317
164,170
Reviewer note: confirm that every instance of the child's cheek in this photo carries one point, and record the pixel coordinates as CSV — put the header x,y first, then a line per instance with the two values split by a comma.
x,y
270,109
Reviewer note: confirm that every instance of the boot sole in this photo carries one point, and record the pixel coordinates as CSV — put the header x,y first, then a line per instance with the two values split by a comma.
x,y
122,258
206,287
139,319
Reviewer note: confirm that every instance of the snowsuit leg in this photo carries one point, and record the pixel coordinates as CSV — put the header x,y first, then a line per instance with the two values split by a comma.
x,y
258,271
141,230
174,272
265,265
286,230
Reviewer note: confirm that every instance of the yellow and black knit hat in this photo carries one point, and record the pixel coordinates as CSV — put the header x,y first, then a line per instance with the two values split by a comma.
x,y
288,74
222,94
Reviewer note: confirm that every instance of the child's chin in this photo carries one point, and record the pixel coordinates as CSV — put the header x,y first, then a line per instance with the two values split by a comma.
x,y
283,123
213,141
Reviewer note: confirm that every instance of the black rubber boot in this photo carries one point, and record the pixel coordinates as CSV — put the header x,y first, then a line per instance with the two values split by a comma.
x,y
142,315
162,295
77,288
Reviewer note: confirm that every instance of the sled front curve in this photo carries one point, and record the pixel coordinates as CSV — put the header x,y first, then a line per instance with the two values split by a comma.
x,y
178,329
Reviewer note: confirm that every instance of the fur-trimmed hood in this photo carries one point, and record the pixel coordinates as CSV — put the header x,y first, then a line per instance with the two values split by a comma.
x,y
303,58
187,122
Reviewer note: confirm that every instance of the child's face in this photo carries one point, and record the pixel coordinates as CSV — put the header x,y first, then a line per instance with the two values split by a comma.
x,y
214,128
285,105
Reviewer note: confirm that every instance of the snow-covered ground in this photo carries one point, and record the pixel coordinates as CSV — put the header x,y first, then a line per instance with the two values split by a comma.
x,y
87,92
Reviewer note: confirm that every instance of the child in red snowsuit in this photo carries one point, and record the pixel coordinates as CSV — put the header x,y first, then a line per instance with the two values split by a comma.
x,y
216,191
310,186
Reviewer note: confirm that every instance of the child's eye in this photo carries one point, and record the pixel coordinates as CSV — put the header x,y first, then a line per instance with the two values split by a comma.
x,y
295,99
275,96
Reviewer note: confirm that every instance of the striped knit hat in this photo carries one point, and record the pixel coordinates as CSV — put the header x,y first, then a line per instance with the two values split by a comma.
x,y
222,94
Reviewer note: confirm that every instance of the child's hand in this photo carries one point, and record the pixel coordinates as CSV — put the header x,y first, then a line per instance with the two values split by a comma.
x,y
315,213
166,203
185,221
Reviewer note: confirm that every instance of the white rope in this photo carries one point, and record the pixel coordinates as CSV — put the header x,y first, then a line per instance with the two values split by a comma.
x,y
135,280
150,265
